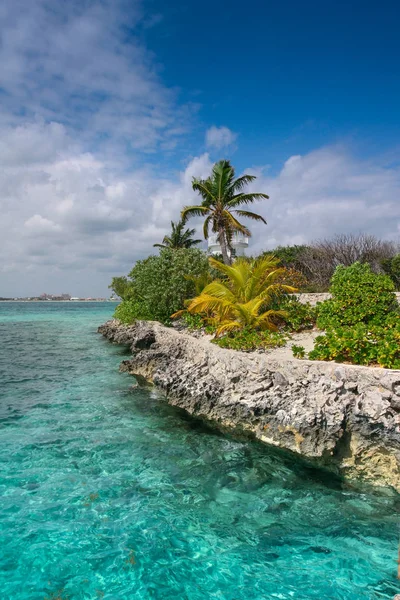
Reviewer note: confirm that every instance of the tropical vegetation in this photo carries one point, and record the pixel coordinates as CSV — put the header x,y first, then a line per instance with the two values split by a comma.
x,y
157,286
361,321
222,198
244,297
316,262
179,237
249,303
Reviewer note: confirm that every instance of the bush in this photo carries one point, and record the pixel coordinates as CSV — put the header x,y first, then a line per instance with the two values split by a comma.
x,y
362,320
298,351
358,296
299,316
391,266
130,310
361,345
159,284
249,339
122,287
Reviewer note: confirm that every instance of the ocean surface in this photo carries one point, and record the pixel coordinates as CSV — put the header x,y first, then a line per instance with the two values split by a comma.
x,y
107,492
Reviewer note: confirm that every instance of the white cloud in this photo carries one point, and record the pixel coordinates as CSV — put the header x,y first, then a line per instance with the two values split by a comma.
x,y
219,137
75,62
71,222
40,225
327,192
82,105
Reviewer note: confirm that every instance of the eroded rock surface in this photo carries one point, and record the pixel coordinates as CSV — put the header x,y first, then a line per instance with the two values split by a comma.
x,y
346,418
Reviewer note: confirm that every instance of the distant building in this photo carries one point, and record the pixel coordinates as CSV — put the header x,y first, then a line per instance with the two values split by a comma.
x,y
239,244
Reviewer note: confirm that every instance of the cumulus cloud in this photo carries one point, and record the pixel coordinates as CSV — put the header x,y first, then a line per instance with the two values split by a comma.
x,y
71,222
80,63
219,137
82,104
325,192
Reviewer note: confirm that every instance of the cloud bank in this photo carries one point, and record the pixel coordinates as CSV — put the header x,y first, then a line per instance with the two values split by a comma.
x,y
85,121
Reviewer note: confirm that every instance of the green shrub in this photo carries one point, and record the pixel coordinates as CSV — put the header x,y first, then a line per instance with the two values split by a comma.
x,y
362,320
129,310
299,316
358,296
391,266
361,345
249,339
159,285
122,287
192,322
298,351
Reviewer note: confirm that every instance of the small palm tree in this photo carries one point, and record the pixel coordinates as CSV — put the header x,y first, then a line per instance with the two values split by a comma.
x,y
222,196
244,297
178,238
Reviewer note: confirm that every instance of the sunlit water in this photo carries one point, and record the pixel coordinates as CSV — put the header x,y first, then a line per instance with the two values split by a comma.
x,y
107,492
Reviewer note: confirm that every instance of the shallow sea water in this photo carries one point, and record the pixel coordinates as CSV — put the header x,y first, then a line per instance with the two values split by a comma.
x,y
107,492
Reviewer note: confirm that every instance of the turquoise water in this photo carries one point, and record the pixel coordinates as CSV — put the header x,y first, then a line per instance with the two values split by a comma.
x,y
107,492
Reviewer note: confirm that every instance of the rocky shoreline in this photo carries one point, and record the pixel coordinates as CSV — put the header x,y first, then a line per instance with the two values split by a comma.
x,y
342,417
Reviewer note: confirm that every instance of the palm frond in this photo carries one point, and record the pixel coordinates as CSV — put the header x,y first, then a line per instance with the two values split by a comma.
x,y
250,215
227,326
206,226
219,290
234,275
235,225
193,211
239,199
241,182
205,189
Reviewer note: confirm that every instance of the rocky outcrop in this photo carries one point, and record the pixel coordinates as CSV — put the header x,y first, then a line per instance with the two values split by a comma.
x,y
346,418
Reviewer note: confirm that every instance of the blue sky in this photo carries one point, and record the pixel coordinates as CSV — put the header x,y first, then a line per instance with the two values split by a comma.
x,y
109,107
288,76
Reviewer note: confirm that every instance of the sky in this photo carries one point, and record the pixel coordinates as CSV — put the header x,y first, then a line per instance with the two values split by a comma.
x,y
108,108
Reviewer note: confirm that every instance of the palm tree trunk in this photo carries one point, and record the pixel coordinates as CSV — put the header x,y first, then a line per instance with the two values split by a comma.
x,y
224,247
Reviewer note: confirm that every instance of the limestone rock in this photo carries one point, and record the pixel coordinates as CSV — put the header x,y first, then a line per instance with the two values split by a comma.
x,y
344,417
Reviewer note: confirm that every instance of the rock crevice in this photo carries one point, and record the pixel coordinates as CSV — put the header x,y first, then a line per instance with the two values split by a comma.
x,y
343,417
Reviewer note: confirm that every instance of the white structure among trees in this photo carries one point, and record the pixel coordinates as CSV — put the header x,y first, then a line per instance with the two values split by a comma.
x,y
239,244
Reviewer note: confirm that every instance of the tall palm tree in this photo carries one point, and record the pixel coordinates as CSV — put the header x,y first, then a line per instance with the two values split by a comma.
x,y
222,196
245,298
178,237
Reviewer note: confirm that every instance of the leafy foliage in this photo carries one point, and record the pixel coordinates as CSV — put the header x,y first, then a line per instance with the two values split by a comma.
x,y
299,316
160,284
248,339
223,196
246,297
391,266
130,310
179,237
298,351
121,286
294,278
289,255
358,296
362,319
360,344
